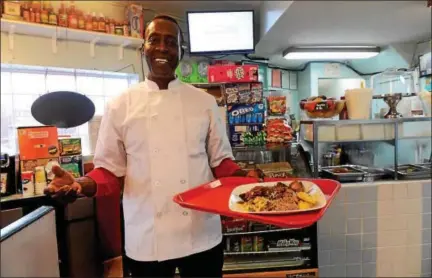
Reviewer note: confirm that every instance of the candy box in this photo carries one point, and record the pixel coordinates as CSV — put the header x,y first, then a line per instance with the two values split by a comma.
x,y
73,164
234,226
232,73
41,169
38,142
70,146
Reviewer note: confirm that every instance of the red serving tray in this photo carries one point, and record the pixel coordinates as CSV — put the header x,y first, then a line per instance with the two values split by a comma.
x,y
215,200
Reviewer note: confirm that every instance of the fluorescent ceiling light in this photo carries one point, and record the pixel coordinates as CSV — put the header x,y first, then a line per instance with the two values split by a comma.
x,y
337,52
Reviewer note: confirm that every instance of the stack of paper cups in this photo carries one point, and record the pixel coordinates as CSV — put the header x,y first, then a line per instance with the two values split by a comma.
x,y
358,102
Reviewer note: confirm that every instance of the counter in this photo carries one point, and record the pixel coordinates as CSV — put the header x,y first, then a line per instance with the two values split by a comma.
x,y
380,229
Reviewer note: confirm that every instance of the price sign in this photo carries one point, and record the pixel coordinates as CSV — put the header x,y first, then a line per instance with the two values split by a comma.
x,y
321,106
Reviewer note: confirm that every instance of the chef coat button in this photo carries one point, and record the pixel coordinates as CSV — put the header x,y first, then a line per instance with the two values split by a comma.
x,y
185,213
183,181
157,183
155,151
159,214
154,117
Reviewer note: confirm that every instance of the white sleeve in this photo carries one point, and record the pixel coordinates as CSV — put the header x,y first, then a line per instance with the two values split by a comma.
x,y
110,152
218,146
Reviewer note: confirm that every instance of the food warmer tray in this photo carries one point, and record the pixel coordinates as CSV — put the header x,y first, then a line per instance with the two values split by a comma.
x,y
418,172
372,174
355,176
215,199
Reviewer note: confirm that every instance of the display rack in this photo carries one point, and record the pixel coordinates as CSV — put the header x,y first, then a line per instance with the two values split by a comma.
x,y
274,263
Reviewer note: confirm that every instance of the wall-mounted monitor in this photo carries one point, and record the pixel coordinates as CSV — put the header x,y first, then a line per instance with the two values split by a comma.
x,y
221,32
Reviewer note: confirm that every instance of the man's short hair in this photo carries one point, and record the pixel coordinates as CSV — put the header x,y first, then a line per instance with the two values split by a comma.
x,y
169,18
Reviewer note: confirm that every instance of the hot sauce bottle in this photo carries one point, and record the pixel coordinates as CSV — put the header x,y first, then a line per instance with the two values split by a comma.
x,y
95,22
37,8
26,12
62,16
81,20
72,18
89,23
101,23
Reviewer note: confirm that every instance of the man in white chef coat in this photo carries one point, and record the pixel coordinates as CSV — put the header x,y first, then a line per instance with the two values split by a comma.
x,y
159,138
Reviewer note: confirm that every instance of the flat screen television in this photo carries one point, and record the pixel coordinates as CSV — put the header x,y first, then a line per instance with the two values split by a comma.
x,y
425,65
221,32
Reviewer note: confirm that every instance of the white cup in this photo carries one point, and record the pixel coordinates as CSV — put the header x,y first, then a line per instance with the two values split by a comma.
x,y
358,102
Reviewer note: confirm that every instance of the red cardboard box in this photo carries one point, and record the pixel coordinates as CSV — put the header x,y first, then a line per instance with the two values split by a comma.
x,y
232,73
38,142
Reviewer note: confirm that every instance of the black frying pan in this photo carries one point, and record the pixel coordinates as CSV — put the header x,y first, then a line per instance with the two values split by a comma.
x,y
63,109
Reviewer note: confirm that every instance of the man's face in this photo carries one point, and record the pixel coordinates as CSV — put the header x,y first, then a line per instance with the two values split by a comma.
x,y
161,48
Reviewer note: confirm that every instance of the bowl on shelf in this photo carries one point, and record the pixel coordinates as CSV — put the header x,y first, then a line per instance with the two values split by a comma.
x,y
322,108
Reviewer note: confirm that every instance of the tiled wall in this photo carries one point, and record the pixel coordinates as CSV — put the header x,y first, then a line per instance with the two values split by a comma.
x,y
377,230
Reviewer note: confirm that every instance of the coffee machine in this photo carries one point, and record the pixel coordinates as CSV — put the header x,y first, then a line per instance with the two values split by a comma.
x,y
9,165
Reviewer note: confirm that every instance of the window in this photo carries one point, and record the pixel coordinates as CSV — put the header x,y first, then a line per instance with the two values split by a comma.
x,y
22,85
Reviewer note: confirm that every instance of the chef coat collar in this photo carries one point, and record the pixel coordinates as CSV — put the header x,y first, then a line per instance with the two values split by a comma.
x,y
153,86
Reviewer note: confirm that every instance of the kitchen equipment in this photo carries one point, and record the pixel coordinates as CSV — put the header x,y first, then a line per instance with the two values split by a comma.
x,y
358,103
392,101
9,174
411,171
343,173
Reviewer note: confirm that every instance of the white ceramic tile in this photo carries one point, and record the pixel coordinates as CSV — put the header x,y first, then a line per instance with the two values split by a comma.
x,y
385,192
415,190
385,270
414,222
385,207
407,206
392,238
392,223
400,191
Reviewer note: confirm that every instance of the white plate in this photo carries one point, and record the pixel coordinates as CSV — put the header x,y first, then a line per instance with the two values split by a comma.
x,y
310,187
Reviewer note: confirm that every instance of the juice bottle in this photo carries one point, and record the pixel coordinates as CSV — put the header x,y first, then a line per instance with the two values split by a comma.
x,y
101,23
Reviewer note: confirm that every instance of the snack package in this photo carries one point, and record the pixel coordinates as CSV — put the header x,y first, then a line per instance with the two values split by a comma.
x,y
276,169
234,226
288,243
258,243
246,244
246,114
70,146
232,73
276,105
256,92
251,135
278,131
73,164
244,93
231,94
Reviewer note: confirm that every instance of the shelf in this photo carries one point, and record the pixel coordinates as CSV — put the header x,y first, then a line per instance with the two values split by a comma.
x,y
258,232
61,33
262,148
259,265
247,124
206,85
283,250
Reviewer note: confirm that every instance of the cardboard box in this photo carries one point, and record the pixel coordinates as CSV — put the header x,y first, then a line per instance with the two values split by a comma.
x,y
38,142
135,16
233,73
73,164
70,146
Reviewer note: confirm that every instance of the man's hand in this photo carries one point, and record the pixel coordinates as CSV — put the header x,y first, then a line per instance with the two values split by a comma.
x,y
63,187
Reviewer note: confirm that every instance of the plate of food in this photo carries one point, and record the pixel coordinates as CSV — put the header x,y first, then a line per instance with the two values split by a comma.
x,y
277,197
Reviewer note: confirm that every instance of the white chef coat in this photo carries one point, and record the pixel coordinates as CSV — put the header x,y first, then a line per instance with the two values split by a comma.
x,y
163,142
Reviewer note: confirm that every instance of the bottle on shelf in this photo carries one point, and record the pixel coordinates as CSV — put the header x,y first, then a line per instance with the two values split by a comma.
x,y
81,20
107,25
119,29
52,16
37,10
25,10
62,16
95,22
32,14
101,23
72,17
112,27
343,115
125,28
89,22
